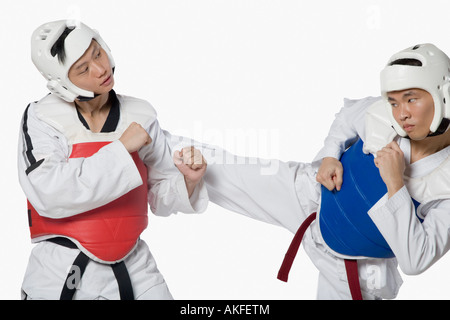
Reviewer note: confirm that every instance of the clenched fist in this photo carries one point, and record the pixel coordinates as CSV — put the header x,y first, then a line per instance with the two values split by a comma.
x,y
330,173
391,163
192,165
135,137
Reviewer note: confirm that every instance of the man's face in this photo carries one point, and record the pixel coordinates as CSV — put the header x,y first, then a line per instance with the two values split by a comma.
x,y
413,109
93,72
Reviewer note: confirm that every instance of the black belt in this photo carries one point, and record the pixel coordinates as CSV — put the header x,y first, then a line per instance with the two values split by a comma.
x,y
79,265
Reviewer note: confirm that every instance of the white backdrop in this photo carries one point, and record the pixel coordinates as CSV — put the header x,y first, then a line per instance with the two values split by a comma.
x,y
258,77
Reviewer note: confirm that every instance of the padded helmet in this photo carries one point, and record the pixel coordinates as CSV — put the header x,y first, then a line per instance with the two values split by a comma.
x,y
433,76
78,38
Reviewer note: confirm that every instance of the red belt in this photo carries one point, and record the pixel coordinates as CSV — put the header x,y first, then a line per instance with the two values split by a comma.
x,y
351,266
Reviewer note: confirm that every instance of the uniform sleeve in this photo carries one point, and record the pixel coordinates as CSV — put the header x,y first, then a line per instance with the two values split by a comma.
x,y
58,186
167,188
417,246
349,124
262,189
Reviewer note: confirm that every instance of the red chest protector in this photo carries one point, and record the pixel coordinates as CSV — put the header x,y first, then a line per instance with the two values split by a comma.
x,y
108,233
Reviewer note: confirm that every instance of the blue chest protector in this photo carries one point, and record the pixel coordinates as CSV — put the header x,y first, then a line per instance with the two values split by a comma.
x,y
344,223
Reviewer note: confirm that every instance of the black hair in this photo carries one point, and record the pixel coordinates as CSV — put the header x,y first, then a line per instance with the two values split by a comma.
x,y
58,47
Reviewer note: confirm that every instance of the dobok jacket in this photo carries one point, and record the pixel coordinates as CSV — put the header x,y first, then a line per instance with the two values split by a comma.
x,y
85,186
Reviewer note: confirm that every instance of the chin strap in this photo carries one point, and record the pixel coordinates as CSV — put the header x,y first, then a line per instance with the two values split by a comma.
x,y
442,128
83,98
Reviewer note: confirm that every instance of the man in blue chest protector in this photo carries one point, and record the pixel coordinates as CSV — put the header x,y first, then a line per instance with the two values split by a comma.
x,y
385,204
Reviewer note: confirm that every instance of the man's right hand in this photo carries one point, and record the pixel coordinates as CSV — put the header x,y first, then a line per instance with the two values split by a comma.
x,y
135,137
330,173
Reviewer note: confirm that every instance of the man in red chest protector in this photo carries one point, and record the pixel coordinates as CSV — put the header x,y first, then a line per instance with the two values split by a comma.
x,y
90,162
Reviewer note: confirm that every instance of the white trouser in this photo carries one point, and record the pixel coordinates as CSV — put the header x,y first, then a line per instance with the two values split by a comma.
x,y
49,265
285,194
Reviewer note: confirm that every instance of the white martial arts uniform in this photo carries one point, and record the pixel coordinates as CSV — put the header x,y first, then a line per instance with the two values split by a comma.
x,y
60,187
285,193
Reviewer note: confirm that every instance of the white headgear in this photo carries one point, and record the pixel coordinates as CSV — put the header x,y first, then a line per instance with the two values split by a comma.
x,y
433,76
78,40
